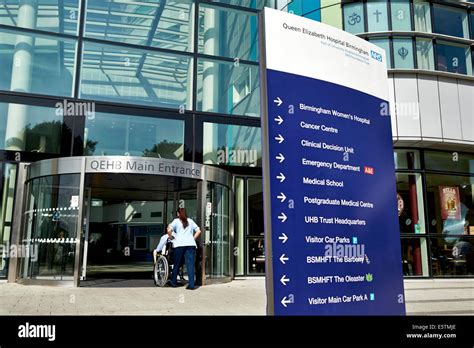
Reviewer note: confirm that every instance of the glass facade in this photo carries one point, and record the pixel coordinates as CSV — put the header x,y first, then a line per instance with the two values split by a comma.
x,y
416,34
168,79
180,80
436,212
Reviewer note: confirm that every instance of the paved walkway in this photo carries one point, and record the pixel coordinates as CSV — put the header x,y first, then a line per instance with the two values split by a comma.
x,y
240,297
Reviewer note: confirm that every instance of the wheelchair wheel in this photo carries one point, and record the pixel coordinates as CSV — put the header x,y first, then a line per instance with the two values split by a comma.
x,y
160,271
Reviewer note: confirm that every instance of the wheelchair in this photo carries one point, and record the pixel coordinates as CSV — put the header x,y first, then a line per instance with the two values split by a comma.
x,y
164,266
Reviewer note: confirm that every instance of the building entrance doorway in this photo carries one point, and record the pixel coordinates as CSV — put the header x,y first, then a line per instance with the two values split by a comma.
x,y
125,216
98,219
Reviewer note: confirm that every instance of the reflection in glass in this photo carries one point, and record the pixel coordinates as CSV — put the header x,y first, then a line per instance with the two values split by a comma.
x,y
30,128
453,57
377,17
407,159
414,257
354,18
124,75
424,54
256,256
410,203
123,135
55,16
7,187
164,23
51,219
422,15
36,63
452,257
228,88
239,226
256,4
450,205
403,53
472,25
228,33
401,17
232,145
450,162
219,249
450,21
255,207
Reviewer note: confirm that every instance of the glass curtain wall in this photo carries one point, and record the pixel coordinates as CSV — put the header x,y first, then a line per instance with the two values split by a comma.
x,y
389,24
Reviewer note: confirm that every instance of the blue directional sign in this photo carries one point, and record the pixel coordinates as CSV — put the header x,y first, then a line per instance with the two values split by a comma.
x,y
331,226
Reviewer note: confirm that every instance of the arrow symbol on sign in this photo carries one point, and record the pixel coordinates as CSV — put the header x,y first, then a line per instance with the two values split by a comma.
x,y
283,237
282,217
278,101
281,197
279,138
280,157
284,280
283,258
281,177
279,119
284,301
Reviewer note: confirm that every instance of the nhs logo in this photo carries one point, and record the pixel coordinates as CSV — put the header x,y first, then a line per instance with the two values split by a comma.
x,y
376,56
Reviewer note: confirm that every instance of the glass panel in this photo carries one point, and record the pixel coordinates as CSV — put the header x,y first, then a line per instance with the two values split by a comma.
x,y
51,219
454,58
164,24
472,25
415,257
377,17
256,256
228,88
452,257
385,44
403,53
55,16
407,159
450,21
449,161
401,17
188,200
228,33
30,128
255,207
36,63
220,234
411,215
354,18
124,75
7,187
232,145
239,237
422,16
256,4
450,204
424,54
113,134
307,9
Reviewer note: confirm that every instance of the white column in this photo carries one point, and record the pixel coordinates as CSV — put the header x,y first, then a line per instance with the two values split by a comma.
x,y
210,78
21,76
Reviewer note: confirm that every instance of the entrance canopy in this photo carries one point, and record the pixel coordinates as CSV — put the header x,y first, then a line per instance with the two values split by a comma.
x,y
66,198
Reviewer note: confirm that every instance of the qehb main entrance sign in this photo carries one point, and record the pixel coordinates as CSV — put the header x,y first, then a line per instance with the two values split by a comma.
x,y
331,228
